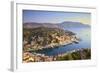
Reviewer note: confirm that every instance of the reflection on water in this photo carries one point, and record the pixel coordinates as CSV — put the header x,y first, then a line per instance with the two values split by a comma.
x,y
83,33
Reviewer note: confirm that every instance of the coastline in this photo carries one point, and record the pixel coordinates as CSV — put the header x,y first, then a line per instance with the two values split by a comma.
x,y
54,45
79,54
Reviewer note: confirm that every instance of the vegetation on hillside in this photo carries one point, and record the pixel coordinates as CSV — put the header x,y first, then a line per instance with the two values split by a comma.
x,y
76,55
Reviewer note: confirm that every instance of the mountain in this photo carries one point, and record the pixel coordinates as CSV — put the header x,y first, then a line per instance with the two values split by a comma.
x,y
63,25
70,24
35,25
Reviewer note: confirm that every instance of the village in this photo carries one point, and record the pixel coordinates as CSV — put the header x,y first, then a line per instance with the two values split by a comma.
x,y
47,38
57,41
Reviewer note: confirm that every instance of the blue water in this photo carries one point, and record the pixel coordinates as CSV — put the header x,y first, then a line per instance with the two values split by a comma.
x,y
83,33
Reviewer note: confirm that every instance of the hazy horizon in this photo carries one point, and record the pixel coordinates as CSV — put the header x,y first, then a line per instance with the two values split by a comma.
x,y
55,17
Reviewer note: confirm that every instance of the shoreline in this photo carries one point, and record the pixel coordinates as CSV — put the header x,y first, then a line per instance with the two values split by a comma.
x,y
78,54
75,41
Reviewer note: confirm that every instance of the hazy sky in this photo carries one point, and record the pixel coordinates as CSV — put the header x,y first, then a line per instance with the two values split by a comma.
x,y
55,17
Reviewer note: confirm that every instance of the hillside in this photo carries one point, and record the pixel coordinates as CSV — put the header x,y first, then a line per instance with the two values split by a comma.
x,y
43,37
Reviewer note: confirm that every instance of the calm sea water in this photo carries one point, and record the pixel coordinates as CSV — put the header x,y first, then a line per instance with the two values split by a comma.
x,y
83,33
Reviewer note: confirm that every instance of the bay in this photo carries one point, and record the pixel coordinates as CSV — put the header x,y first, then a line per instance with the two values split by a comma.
x,y
83,33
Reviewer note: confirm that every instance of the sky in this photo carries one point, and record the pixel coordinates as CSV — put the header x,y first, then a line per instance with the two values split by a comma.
x,y
55,17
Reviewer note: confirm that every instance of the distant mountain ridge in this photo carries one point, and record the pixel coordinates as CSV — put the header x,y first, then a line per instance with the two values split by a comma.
x,y
69,24
65,24
35,25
